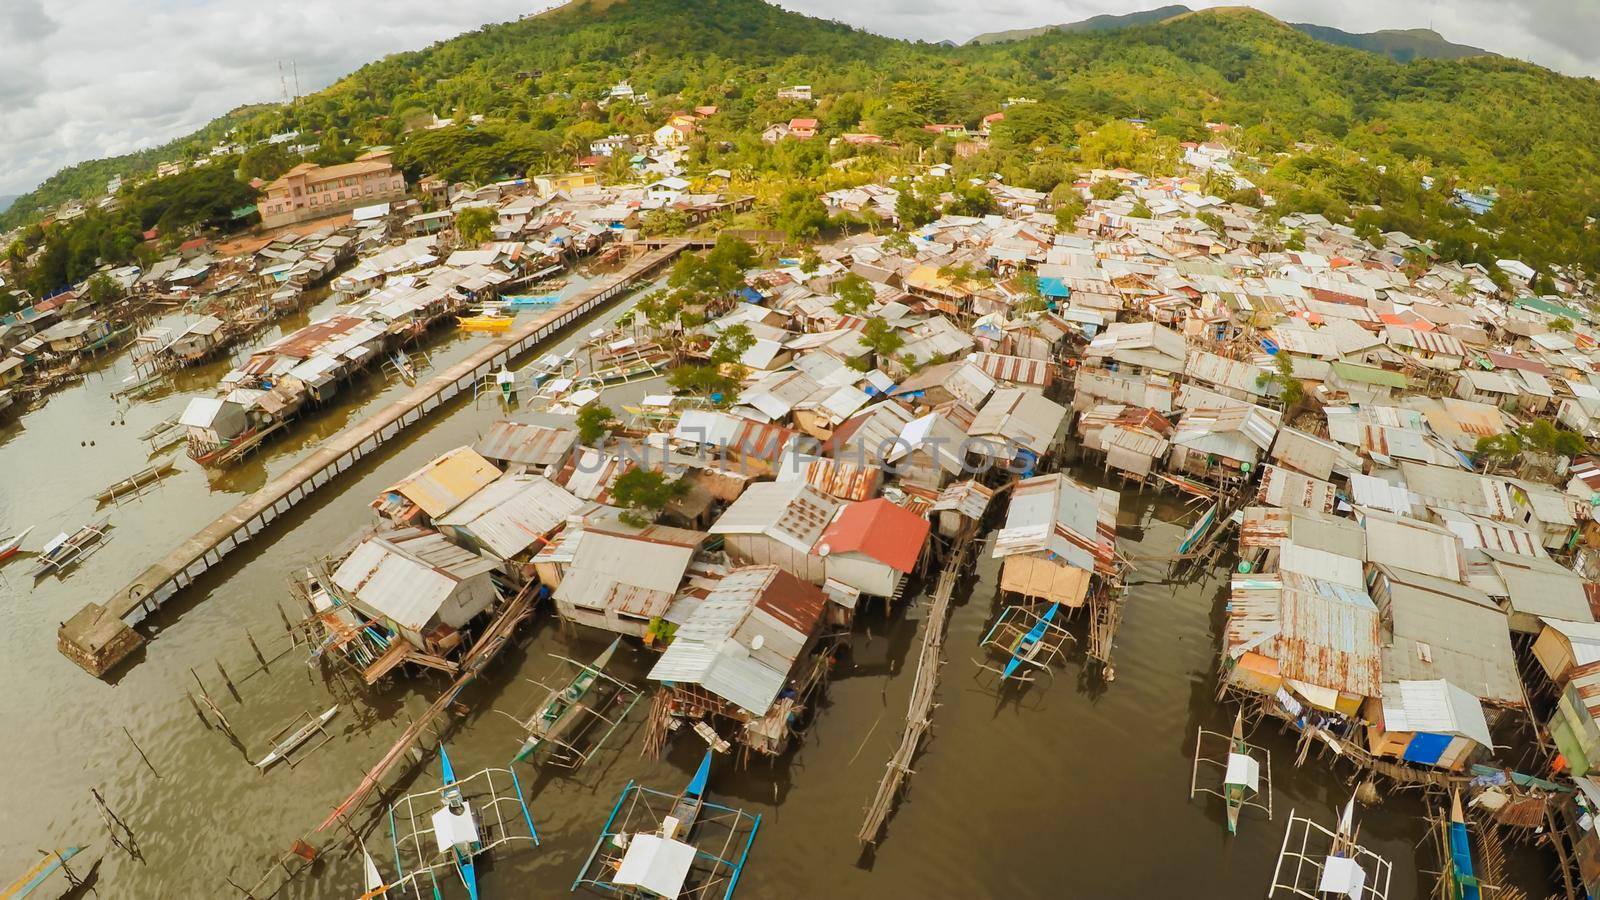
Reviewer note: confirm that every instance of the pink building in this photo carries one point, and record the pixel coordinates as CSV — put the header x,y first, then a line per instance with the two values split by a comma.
x,y
310,191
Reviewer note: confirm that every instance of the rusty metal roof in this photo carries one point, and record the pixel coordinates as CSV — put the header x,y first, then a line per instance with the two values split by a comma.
x,y
531,445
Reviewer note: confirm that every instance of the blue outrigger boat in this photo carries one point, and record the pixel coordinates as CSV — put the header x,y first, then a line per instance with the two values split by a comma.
x,y
456,805
1463,884
1025,648
697,850
1026,640
429,837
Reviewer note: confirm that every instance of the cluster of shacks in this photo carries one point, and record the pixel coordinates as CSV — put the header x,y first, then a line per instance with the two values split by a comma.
x,y
1391,444
1395,445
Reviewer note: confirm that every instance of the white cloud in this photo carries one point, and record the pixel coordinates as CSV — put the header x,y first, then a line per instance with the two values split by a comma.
x,y
97,78
103,77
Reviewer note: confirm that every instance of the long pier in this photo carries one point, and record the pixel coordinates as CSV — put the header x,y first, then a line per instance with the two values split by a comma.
x,y
101,636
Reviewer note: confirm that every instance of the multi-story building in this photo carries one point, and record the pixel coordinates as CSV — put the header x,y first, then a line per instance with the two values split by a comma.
x,y
310,191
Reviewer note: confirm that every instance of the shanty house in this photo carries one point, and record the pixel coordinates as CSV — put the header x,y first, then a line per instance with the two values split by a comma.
x,y
1017,424
522,447
1059,535
615,576
212,421
743,653
195,342
1431,723
510,517
441,485
1315,639
872,545
1569,652
1212,443
1435,628
778,523
420,585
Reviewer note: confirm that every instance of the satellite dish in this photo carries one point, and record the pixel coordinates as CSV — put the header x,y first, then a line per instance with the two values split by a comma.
x,y
758,642
823,549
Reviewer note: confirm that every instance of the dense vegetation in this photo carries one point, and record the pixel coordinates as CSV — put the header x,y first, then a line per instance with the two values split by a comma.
x,y
1357,129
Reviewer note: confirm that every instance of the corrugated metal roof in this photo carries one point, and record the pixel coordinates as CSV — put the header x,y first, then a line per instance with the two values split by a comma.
x,y
1434,707
1061,518
1444,630
1283,487
529,445
1328,636
509,515
880,530
1225,372
791,512
1014,370
1412,544
1322,565
446,481
742,641
1020,415
408,575
1541,587
969,498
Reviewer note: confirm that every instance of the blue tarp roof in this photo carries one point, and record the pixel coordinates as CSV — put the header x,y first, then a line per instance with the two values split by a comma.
x,y
751,294
1054,287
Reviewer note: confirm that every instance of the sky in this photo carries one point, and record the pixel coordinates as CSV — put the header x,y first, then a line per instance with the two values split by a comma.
x,y
95,78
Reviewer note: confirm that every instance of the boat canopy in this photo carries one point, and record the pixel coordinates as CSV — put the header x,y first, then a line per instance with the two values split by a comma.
x,y
656,864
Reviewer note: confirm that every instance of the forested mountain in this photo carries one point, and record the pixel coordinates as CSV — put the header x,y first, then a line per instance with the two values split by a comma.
x,y
1401,45
1368,128
1093,23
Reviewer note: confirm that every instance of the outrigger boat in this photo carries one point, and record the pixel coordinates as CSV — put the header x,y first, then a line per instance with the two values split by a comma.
x,y
42,870
485,321
696,850
10,547
1029,644
62,552
402,364
1461,883
461,820
448,821
139,480
1242,765
1329,863
163,434
1028,640
557,718
299,736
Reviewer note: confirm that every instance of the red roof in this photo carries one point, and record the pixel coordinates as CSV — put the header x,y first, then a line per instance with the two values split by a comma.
x,y
810,124
878,528
195,244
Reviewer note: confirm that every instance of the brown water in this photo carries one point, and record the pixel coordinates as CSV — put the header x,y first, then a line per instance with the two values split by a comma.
x,y
1072,789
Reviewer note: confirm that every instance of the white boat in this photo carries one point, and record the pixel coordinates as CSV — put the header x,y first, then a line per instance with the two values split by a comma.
x,y
371,877
10,548
300,736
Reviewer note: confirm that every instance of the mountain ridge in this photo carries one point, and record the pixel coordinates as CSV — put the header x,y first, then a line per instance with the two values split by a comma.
x,y
1399,44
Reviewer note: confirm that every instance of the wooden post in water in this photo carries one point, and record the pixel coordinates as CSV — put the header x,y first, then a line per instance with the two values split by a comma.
x,y
259,657
141,751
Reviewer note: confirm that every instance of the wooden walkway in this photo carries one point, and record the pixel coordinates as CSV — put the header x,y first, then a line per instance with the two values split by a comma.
x,y
100,636
919,717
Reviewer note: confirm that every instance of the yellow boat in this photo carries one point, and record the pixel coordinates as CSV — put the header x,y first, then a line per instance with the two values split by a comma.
x,y
485,323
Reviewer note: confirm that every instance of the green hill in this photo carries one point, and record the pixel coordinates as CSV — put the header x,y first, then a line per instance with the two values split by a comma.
x,y
538,84
1093,23
1399,45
